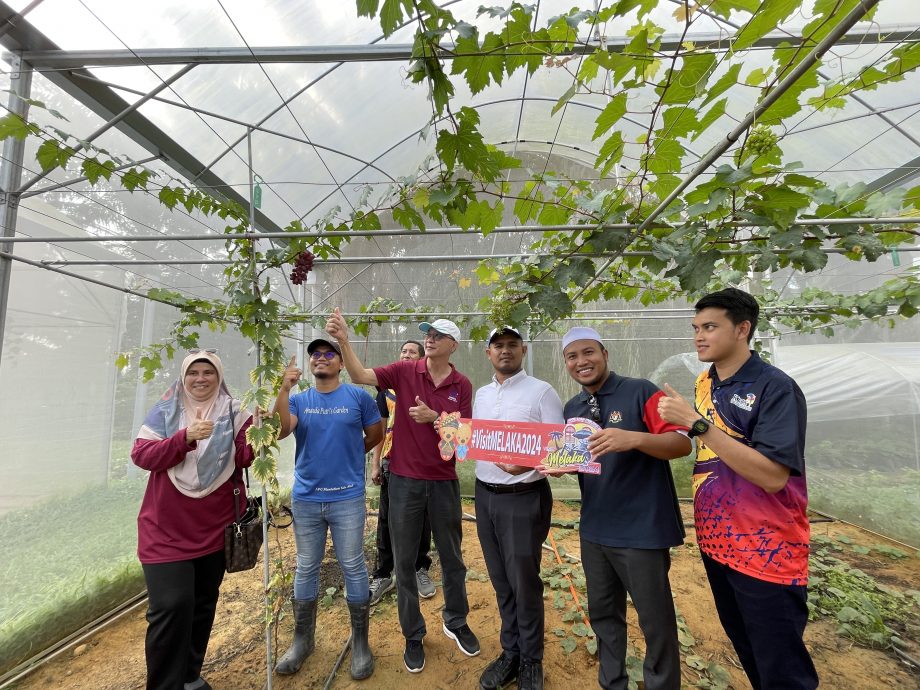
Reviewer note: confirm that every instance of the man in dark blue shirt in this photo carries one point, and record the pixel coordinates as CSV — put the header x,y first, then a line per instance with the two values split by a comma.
x,y
629,513
749,492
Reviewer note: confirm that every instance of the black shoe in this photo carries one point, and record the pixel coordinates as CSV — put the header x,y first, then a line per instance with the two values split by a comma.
x,y
464,637
198,684
414,656
500,672
531,676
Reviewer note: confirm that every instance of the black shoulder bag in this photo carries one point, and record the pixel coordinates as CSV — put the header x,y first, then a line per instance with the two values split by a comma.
x,y
243,538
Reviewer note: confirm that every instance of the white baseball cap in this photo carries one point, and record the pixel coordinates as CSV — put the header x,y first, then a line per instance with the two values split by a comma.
x,y
504,330
580,333
445,326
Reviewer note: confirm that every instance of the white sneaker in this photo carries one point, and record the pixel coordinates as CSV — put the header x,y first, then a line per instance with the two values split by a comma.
x,y
425,585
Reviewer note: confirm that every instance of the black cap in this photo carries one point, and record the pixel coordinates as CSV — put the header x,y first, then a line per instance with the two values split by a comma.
x,y
504,330
322,341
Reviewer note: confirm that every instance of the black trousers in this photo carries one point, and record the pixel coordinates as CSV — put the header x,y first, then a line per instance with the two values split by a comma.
x,y
765,622
181,601
512,528
410,499
384,565
612,572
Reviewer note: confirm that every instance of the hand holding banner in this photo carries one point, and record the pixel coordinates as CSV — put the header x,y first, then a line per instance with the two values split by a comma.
x,y
554,446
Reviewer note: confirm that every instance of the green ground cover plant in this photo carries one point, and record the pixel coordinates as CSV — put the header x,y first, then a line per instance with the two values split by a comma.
x,y
868,611
884,502
66,562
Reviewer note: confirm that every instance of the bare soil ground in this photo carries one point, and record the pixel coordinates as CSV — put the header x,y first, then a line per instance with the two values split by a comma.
x,y
113,658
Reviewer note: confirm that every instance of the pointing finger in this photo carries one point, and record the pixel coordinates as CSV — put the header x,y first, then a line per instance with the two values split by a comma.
x,y
293,361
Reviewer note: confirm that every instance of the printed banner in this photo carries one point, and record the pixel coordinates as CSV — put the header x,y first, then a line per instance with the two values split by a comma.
x,y
519,443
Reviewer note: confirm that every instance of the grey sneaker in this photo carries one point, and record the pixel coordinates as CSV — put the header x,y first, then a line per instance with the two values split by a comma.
x,y
379,587
425,585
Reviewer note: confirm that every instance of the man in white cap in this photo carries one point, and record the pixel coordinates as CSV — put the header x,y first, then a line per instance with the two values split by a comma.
x,y
513,509
629,512
419,479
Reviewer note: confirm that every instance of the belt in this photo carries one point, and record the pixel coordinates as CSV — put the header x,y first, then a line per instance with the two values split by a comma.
x,y
516,488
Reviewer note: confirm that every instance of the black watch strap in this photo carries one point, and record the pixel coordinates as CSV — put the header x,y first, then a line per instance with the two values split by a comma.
x,y
700,426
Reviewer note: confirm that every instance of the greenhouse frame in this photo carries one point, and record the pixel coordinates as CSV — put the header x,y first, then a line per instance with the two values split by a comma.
x,y
165,163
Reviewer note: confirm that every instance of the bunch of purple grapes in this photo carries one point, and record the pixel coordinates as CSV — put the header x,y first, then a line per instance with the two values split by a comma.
x,y
302,266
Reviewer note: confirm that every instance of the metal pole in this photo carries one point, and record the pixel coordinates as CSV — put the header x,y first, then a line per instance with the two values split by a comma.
x,y
466,258
10,177
266,561
140,390
511,229
114,121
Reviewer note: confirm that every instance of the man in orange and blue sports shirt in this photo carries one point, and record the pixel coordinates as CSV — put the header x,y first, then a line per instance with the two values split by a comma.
x,y
750,496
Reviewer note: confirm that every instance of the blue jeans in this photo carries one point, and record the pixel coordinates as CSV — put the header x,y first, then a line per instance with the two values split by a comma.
x,y
345,519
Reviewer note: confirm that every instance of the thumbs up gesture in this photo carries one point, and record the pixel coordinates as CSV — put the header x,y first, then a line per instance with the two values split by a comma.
x,y
199,429
675,409
291,375
421,413
336,326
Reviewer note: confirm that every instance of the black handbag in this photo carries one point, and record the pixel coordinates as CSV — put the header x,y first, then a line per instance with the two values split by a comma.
x,y
243,538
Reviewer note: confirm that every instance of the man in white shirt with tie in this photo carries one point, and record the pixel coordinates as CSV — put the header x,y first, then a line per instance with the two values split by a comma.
x,y
513,509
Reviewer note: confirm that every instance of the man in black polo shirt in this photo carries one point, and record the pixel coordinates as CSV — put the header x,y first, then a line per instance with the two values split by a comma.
x,y
750,497
629,513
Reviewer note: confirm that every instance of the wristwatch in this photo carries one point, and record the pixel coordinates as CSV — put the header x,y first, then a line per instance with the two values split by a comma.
x,y
700,426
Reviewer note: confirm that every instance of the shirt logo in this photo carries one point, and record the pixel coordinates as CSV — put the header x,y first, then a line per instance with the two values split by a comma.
x,y
746,403
615,417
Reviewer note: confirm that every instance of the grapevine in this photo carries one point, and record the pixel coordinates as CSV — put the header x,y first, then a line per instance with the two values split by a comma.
x,y
302,266
761,141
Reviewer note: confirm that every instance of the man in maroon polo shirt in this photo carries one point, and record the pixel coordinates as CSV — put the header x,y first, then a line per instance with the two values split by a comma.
x,y
420,480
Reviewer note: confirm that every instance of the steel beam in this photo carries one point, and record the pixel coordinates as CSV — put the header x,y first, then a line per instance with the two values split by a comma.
x,y
22,37
464,258
430,232
165,84
897,177
10,179
45,57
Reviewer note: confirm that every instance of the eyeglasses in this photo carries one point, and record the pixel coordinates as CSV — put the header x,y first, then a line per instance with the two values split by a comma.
x,y
209,350
595,409
317,355
437,337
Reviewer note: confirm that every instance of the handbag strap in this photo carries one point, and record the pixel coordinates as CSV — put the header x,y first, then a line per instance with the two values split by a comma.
x,y
236,487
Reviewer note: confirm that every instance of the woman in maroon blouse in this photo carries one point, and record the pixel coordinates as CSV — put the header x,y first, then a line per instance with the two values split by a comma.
x,y
193,442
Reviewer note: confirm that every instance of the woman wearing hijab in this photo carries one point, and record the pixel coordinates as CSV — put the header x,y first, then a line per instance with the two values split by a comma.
x,y
193,442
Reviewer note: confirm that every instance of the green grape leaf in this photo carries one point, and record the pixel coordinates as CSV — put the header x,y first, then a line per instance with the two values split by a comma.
x,y
11,125
768,16
610,115
93,169
690,80
724,83
52,155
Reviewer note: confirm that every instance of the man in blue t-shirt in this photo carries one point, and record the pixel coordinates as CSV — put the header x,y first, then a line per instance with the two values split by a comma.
x,y
334,424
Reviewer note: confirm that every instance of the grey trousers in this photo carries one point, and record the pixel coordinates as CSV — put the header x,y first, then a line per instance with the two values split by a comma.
x,y
612,572
409,500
